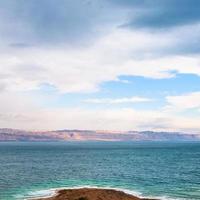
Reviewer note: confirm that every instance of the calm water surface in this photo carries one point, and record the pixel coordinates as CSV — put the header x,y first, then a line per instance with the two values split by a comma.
x,y
167,170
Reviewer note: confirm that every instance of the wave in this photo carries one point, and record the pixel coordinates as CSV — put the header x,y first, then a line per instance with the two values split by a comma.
x,y
37,194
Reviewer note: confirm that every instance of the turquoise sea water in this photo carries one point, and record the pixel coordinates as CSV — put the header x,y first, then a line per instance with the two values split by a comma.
x,y
164,170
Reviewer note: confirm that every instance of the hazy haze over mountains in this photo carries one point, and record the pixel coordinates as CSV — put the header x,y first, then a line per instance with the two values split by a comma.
x,y
92,135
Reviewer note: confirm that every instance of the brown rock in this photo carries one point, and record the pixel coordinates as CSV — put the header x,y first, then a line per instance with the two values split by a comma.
x,y
92,194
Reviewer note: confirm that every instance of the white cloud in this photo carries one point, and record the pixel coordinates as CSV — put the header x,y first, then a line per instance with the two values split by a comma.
x,y
107,119
121,52
183,102
19,110
134,99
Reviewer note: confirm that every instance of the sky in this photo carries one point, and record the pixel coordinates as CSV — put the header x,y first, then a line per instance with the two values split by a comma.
x,y
100,64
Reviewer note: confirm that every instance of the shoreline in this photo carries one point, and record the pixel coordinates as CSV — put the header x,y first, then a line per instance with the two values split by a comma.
x,y
91,193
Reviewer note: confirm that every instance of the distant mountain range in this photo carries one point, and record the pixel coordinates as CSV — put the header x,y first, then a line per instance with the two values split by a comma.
x,y
89,135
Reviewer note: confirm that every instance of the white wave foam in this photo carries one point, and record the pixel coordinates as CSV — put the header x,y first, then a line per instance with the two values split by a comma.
x,y
38,194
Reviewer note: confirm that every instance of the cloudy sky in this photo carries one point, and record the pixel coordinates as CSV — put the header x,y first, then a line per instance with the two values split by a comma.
x,y
100,64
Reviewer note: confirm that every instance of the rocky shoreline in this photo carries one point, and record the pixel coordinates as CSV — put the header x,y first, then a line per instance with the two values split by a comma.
x,y
92,194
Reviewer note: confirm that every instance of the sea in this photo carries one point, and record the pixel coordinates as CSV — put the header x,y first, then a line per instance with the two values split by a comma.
x,y
163,170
